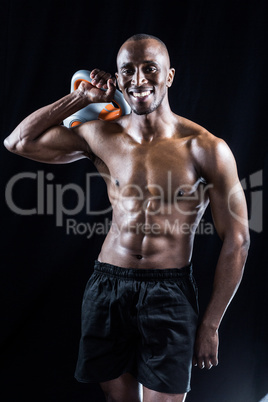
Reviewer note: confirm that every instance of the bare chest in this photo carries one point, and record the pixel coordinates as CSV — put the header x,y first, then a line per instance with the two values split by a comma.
x,y
161,169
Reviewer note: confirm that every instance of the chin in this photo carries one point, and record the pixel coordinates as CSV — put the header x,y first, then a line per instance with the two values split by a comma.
x,y
141,111
150,109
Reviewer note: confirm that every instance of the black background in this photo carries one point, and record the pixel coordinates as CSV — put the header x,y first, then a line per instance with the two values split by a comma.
x,y
218,49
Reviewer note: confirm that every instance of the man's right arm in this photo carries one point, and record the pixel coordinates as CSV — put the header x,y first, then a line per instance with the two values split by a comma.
x,y
41,137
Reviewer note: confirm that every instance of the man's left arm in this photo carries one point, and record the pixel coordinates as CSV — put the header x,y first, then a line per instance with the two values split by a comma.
x,y
229,211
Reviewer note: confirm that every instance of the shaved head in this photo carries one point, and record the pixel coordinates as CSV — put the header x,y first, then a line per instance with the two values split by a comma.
x,y
145,36
142,36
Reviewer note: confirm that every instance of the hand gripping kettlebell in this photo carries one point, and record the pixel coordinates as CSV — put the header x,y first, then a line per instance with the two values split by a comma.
x,y
96,111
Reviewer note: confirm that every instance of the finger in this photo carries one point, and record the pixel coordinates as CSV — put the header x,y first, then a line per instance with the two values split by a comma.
x,y
214,361
207,364
111,89
194,361
94,72
100,79
102,75
105,86
200,363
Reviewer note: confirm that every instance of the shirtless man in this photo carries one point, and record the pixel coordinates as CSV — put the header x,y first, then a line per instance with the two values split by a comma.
x,y
161,172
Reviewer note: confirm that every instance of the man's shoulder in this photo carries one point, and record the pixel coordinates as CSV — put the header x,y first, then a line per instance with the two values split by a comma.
x,y
199,135
102,128
208,150
105,125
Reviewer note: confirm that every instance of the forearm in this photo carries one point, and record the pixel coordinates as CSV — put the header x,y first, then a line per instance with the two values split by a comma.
x,y
228,275
42,119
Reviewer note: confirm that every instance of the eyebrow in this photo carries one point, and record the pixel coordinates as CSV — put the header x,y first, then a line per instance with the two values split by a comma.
x,y
144,62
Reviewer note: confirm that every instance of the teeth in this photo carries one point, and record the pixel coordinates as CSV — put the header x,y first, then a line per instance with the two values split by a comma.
x,y
141,94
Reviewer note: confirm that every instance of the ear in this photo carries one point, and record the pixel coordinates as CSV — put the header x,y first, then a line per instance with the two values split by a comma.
x,y
170,77
116,76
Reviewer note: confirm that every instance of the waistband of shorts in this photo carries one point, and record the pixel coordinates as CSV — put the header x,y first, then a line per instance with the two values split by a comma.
x,y
142,273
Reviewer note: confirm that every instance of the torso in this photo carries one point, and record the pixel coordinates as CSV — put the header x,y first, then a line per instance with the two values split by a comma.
x,y
158,197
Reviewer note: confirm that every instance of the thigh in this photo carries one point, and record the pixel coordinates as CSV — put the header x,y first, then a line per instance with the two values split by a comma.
x,y
123,388
106,349
167,325
153,396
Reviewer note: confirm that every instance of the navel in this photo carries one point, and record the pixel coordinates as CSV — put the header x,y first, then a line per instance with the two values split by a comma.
x,y
117,182
180,193
139,257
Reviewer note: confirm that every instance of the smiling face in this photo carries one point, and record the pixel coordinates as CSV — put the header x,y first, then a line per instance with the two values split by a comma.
x,y
144,74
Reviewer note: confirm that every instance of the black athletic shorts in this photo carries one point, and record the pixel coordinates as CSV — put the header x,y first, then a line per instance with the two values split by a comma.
x,y
140,321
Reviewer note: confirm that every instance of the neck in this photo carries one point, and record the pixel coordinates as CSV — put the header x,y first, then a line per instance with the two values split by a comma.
x,y
157,124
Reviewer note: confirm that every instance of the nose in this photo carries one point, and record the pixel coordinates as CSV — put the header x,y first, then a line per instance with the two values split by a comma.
x,y
138,78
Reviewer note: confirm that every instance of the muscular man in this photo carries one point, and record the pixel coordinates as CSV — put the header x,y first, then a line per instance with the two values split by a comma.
x,y
140,306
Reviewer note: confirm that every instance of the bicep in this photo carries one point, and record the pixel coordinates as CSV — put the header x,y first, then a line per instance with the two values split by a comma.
x,y
229,210
227,199
57,145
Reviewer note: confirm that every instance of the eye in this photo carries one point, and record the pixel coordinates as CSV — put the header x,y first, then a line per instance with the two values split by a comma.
x,y
151,69
127,71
